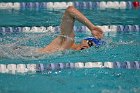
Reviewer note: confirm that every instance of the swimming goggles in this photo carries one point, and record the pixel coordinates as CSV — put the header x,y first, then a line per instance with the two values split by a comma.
x,y
90,43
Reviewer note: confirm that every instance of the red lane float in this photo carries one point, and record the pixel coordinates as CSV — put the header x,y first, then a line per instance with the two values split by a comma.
x,y
136,4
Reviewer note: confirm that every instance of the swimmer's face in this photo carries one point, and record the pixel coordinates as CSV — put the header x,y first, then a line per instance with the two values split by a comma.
x,y
86,44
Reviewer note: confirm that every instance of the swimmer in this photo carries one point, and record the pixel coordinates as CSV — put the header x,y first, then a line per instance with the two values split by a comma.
x,y
62,42
66,38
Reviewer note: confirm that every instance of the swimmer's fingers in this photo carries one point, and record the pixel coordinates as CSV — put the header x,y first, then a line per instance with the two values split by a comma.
x,y
97,33
98,36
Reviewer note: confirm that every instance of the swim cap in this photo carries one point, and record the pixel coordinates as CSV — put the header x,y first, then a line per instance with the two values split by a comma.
x,y
98,42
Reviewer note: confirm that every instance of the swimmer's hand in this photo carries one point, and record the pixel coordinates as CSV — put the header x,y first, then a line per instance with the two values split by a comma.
x,y
97,32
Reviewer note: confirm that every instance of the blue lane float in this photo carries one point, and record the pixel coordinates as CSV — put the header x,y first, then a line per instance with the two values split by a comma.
x,y
64,5
50,29
38,68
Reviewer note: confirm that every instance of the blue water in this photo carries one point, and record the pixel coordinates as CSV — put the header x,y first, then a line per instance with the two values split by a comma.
x,y
123,46
77,81
33,17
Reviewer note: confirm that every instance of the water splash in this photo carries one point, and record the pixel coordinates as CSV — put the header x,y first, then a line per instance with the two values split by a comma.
x,y
16,47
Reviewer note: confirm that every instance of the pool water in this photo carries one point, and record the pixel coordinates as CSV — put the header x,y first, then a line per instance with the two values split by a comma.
x,y
77,81
123,46
45,17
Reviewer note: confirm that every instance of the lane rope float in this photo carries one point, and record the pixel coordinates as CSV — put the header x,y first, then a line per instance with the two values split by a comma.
x,y
43,29
38,68
64,5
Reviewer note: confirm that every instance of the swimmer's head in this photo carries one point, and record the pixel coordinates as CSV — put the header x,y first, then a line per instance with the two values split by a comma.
x,y
91,41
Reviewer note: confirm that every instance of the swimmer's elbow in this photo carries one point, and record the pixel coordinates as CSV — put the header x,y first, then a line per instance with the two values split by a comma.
x,y
70,8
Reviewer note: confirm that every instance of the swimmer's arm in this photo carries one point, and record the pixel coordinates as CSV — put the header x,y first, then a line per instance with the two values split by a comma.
x,y
77,15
